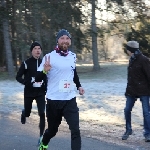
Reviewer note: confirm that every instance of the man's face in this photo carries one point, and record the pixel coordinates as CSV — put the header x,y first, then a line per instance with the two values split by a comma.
x,y
36,52
64,42
129,53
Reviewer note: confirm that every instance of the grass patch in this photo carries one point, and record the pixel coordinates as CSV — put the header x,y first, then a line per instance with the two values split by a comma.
x,y
4,76
107,71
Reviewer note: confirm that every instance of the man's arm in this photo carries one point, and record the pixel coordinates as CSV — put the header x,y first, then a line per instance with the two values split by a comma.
x,y
40,75
43,69
20,73
76,79
146,68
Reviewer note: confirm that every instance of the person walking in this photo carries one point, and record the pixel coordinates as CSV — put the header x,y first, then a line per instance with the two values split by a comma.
x,y
138,86
60,68
33,90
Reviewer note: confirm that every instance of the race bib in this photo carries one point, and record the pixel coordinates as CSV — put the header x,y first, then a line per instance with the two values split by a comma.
x,y
36,84
65,86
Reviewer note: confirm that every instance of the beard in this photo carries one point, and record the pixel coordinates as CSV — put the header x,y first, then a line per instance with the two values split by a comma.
x,y
64,46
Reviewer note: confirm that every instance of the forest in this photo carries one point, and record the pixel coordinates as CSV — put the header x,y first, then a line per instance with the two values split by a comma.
x,y
90,22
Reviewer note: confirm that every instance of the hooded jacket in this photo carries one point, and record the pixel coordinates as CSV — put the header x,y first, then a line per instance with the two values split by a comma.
x,y
26,76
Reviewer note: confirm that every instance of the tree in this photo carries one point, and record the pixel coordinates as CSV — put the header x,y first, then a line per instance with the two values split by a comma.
x,y
141,34
5,23
96,65
67,15
139,23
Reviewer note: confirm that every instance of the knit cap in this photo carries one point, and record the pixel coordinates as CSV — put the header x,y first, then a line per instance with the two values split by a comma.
x,y
35,44
61,33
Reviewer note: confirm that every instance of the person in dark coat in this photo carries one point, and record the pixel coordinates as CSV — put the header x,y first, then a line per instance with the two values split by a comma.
x,y
33,90
138,86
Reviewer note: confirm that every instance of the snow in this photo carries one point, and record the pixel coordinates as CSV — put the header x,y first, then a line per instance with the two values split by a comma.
x,y
103,101
101,107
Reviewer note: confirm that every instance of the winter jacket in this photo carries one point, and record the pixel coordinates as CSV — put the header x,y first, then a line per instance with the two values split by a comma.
x,y
138,81
26,76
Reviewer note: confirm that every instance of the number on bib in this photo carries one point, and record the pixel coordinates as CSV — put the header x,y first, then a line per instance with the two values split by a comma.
x,y
65,86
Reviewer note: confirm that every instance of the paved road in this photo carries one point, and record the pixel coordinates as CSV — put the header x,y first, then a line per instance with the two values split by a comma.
x,y
15,136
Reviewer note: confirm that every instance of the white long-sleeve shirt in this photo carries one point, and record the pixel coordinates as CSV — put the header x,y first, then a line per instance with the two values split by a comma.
x,y
60,78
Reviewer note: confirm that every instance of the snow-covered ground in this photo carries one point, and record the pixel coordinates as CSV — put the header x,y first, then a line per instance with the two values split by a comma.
x,y
101,108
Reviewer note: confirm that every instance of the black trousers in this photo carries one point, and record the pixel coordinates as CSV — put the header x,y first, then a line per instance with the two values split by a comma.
x,y
40,100
55,110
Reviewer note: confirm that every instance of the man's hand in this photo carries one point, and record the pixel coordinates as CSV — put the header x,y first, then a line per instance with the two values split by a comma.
x,y
81,91
47,65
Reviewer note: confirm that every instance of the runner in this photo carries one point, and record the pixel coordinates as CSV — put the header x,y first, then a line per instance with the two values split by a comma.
x,y
60,68
33,90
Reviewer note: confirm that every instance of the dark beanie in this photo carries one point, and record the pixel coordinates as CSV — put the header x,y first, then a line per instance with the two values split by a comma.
x,y
61,33
132,46
35,44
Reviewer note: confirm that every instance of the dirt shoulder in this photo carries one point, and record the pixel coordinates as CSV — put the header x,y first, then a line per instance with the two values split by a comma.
x,y
112,133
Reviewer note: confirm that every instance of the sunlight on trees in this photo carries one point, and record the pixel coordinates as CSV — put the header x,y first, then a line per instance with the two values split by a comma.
x,y
94,31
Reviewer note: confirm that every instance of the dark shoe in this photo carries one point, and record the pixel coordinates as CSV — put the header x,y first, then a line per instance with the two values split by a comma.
x,y
23,118
126,134
147,138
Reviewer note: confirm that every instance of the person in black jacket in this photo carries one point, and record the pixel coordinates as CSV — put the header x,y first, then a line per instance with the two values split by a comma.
x,y
33,90
138,86
60,68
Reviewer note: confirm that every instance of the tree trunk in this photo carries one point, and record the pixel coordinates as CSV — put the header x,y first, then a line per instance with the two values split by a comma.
x,y
38,35
13,30
7,44
96,65
37,24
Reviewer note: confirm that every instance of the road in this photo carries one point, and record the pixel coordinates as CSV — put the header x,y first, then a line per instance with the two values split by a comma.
x,y
15,136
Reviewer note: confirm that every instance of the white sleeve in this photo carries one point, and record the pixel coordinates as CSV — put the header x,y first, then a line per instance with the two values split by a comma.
x,y
41,67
